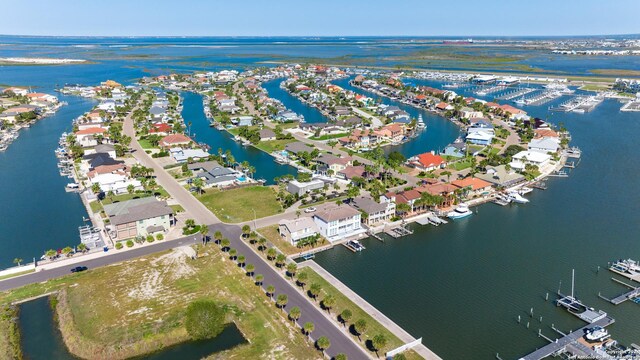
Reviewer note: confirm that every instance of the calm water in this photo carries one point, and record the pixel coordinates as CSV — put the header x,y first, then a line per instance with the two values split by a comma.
x,y
36,213
460,286
311,114
41,338
264,163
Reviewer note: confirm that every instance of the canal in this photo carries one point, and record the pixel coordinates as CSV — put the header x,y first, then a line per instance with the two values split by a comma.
x,y
36,213
266,167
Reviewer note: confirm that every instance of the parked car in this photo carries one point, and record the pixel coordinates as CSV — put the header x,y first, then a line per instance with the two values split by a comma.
x,y
310,209
78,269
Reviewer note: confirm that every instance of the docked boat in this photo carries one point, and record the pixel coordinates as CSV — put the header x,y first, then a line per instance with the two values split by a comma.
x,y
524,190
355,245
629,266
516,197
460,212
420,125
596,333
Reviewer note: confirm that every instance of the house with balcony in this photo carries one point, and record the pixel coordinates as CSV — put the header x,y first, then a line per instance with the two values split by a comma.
x,y
337,222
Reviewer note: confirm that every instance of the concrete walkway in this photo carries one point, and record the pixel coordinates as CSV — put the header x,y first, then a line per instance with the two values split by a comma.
x,y
369,309
375,121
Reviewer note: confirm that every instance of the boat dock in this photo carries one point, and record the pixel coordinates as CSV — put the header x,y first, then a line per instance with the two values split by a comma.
x,y
516,93
431,219
570,343
398,232
633,294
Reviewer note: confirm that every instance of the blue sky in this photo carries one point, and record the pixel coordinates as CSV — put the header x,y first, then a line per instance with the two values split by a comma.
x,y
319,18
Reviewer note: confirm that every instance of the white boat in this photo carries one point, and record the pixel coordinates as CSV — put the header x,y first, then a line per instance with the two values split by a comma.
x,y
355,245
460,212
596,333
524,190
517,198
420,124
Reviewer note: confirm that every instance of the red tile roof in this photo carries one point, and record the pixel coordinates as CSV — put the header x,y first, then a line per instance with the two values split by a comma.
x,y
429,160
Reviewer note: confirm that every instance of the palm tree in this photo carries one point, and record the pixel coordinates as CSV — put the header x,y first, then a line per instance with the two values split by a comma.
x,y
308,328
345,316
217,235
246,230
280,260
259,278
198,183
225,243
328,302
378,342
271,253
204,230
233,253
250,268
295,314
17,261
291,269
301,278
447,173
50,253
323,343
360,326
270,290
241,260
340,356
95,188
82,247
261,243
282,300
314,290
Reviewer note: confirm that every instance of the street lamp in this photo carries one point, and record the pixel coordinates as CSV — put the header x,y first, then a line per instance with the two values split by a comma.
x,y
254,219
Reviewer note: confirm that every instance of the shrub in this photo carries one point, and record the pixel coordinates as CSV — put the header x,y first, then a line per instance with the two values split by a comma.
x,y
204,319
129,243
159,237
150,238
118,246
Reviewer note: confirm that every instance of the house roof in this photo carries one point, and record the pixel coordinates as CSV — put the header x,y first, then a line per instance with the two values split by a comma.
x,y
296,147
472,182
338,212
429,160
368,205
299,224
91,130
104,148
329,159
176,139
352,171
267,133
137,209
437,188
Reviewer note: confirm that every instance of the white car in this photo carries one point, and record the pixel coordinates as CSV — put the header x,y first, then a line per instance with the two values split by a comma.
x,y
310,209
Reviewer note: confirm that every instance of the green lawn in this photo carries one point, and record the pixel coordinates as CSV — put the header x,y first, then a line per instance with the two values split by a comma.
x,y
329,137
122,197
177,208
273,145
461,165
146,144
272,234
238,205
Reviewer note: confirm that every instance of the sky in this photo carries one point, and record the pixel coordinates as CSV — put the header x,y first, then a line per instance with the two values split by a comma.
x,y
319,18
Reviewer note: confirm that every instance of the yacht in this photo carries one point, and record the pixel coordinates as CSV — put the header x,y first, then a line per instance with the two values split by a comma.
x,y
355,245
460,212
524,190
517,198
420,125
521,101
630,266
596,333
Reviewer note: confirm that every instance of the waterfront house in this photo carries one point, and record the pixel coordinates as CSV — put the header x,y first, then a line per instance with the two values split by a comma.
x,y
328,162
468,113
213,174
118,182
175,140
359,139
181,155
336,222
298,147
342,111
456,150
500,176
89,137
242,120
443,106
300,188
161,129
298,229
92,161
408,197
375,212
391,132
108,149
139,217
267,135
349,123
545,133
544,145
427,162
473,186
444,190
349,172
523,158
15,90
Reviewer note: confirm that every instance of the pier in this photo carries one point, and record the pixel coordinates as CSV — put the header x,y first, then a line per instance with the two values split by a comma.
x,y
398,232
369,309
633,294
516,93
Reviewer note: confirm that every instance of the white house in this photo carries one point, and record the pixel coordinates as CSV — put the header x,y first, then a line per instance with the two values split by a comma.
x,y
521,159
338,222
117,183
544,145
297,229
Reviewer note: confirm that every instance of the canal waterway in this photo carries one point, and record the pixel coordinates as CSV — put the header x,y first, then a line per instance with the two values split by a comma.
x,y
36,213
311,114
266,167
41,338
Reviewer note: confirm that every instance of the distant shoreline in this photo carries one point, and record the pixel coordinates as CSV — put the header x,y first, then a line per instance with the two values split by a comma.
x,y
39,61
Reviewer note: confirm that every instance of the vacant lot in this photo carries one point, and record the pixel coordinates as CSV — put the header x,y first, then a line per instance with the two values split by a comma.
x,y
238,205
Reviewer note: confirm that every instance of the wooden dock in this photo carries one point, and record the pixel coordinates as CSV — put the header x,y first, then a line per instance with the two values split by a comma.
x,y
632,294
569,342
